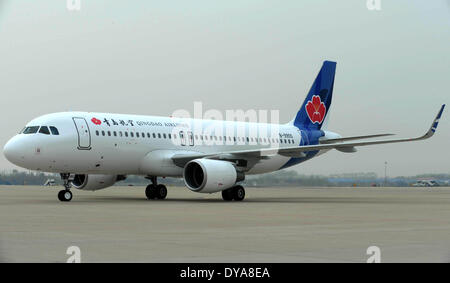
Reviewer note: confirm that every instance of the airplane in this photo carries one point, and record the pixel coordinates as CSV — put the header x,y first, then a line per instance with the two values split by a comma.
x,y
93,151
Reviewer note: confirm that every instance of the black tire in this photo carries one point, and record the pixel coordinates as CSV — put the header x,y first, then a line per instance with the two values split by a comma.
x,y
227,195
161,192
238,193
60,195
65,195
150,192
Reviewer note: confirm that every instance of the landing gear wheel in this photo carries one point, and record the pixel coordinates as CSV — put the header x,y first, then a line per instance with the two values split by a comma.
x,y
238,193
150,191
161,192
155,191
227,195
65,195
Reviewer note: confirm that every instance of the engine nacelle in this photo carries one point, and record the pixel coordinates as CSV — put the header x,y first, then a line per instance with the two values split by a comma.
x,y
210,176
95,182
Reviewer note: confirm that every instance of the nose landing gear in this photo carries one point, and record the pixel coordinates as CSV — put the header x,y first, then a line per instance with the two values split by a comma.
x,y
66,194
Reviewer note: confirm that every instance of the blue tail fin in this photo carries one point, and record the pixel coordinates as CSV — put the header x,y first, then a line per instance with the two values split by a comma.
x,y
318,101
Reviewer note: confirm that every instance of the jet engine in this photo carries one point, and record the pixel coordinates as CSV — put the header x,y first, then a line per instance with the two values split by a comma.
x,y
210,176
95,182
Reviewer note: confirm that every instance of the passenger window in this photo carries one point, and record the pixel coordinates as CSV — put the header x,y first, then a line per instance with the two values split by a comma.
x,y
154,135
143,135
109,133
97,133
120,134
115,133
54,131
159,135
31,130
103,133
44,130
164,135
148,135
137,135
126,134
131,134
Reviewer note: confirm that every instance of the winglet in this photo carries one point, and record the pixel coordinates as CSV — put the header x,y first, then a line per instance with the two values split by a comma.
x,y
435,123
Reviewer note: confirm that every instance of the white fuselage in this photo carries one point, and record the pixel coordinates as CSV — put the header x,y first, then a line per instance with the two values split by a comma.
x,y
103,143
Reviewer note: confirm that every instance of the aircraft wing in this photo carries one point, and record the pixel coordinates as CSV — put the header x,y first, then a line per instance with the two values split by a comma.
x,y
352,138
299,151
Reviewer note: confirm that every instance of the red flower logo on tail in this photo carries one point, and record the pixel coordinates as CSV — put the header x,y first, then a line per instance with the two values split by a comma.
x,y
316,109
96,121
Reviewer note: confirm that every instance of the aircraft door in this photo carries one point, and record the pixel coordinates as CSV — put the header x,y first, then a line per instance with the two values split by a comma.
x,y
84,135
191,138
182,138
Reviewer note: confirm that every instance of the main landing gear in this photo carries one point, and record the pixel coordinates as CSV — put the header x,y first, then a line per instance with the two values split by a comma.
x,y
236,193
66,194
155,191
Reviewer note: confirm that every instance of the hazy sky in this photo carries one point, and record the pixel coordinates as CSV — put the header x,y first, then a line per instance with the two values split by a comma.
x,y
154,57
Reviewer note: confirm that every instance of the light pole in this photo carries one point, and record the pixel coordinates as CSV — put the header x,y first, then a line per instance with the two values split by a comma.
x,y
385,173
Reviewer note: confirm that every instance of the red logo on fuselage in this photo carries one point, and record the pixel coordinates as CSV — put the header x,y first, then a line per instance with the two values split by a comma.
x,y
316,109
96,121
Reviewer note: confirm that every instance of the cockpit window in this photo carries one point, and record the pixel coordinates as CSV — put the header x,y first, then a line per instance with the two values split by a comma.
x,y
44,130
54,131
31,130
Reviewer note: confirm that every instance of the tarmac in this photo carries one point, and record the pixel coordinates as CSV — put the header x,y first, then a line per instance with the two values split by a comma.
x,y
119,224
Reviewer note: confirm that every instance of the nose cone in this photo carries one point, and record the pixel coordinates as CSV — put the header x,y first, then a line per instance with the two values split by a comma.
x,y
12,151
